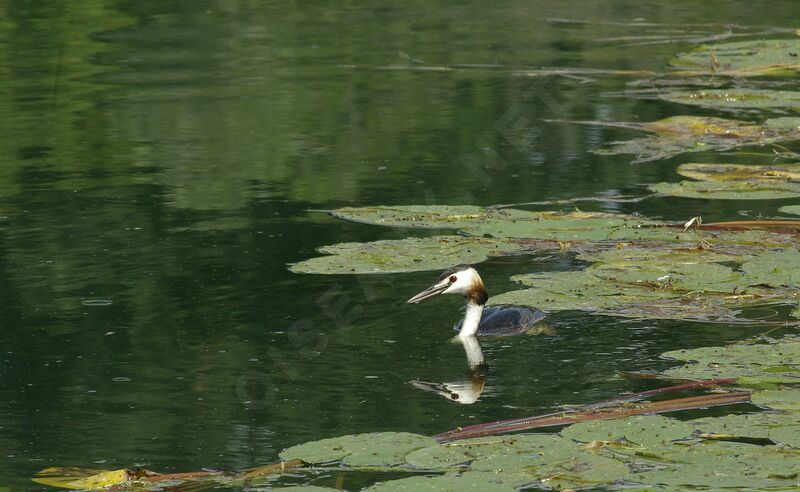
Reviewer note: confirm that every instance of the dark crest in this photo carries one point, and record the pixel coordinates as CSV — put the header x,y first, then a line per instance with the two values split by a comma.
x,y
455,269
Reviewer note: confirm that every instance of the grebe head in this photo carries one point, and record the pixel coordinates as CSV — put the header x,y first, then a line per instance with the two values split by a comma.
x,y
461,279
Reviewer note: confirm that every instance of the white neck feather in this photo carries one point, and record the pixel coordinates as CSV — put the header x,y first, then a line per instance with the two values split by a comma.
x,y
473,351
471,320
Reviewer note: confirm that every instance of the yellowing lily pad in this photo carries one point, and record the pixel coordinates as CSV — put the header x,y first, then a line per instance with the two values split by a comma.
x,y
742,59
682,134
81,478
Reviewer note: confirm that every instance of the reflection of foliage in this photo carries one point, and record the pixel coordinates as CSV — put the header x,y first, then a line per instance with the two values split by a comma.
x,y
649,450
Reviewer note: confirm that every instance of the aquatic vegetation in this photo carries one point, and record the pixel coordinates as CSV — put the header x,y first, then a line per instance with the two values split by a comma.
x,y
684,134
734,182
736,99
742,59
624,445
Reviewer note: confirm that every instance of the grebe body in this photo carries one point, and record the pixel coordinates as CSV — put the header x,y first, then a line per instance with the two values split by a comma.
x,y
478,319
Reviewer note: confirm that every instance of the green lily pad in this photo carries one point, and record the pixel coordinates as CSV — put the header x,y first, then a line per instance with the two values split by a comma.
x,y
646,430
782,399
437,457
375,449
739,172
751,364
508,223
723,465
583,470
736,98
728,190
791,209
457,482
742,59
526,451
774,268
404,255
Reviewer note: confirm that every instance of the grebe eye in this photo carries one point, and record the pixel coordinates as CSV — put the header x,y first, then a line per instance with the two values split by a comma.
x,y
453,278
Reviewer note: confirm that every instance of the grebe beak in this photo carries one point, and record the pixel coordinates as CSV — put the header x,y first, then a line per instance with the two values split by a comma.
x,y
431,291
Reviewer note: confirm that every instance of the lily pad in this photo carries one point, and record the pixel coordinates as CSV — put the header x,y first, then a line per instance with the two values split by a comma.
x,y
742,59
404,255
791,209
728,190
722,465
437,457
647,430
509,223
457,482
375,449
752,364
81,478
781,399
774,268
736,99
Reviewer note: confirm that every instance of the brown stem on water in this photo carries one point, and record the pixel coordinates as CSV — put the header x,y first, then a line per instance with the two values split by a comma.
x,y
550,420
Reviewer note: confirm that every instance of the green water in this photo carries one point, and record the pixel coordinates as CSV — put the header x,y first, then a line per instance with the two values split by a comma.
x,y
162,161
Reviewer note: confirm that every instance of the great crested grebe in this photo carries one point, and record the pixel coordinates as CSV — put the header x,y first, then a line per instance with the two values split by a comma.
x,y
479,320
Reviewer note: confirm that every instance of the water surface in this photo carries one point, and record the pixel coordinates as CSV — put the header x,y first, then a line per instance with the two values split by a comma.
x,y
161,163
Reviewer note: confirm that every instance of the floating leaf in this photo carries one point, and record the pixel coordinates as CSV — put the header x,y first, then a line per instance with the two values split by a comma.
x,y
736,98
375,449
782,399
728,190
509,223
774,268
646,430
723,464
404,255
742,59
455,482
751,364
437,457
791,209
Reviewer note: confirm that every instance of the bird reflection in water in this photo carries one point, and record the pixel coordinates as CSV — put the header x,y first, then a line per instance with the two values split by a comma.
x,y
465,391
478,320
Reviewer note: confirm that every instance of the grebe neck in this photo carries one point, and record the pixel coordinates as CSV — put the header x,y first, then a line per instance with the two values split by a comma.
x,y
472,319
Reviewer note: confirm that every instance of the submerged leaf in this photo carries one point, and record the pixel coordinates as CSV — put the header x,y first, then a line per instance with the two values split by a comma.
x,y
741,59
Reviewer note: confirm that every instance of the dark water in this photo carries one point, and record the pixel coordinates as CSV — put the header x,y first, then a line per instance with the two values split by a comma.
x,y
161,163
